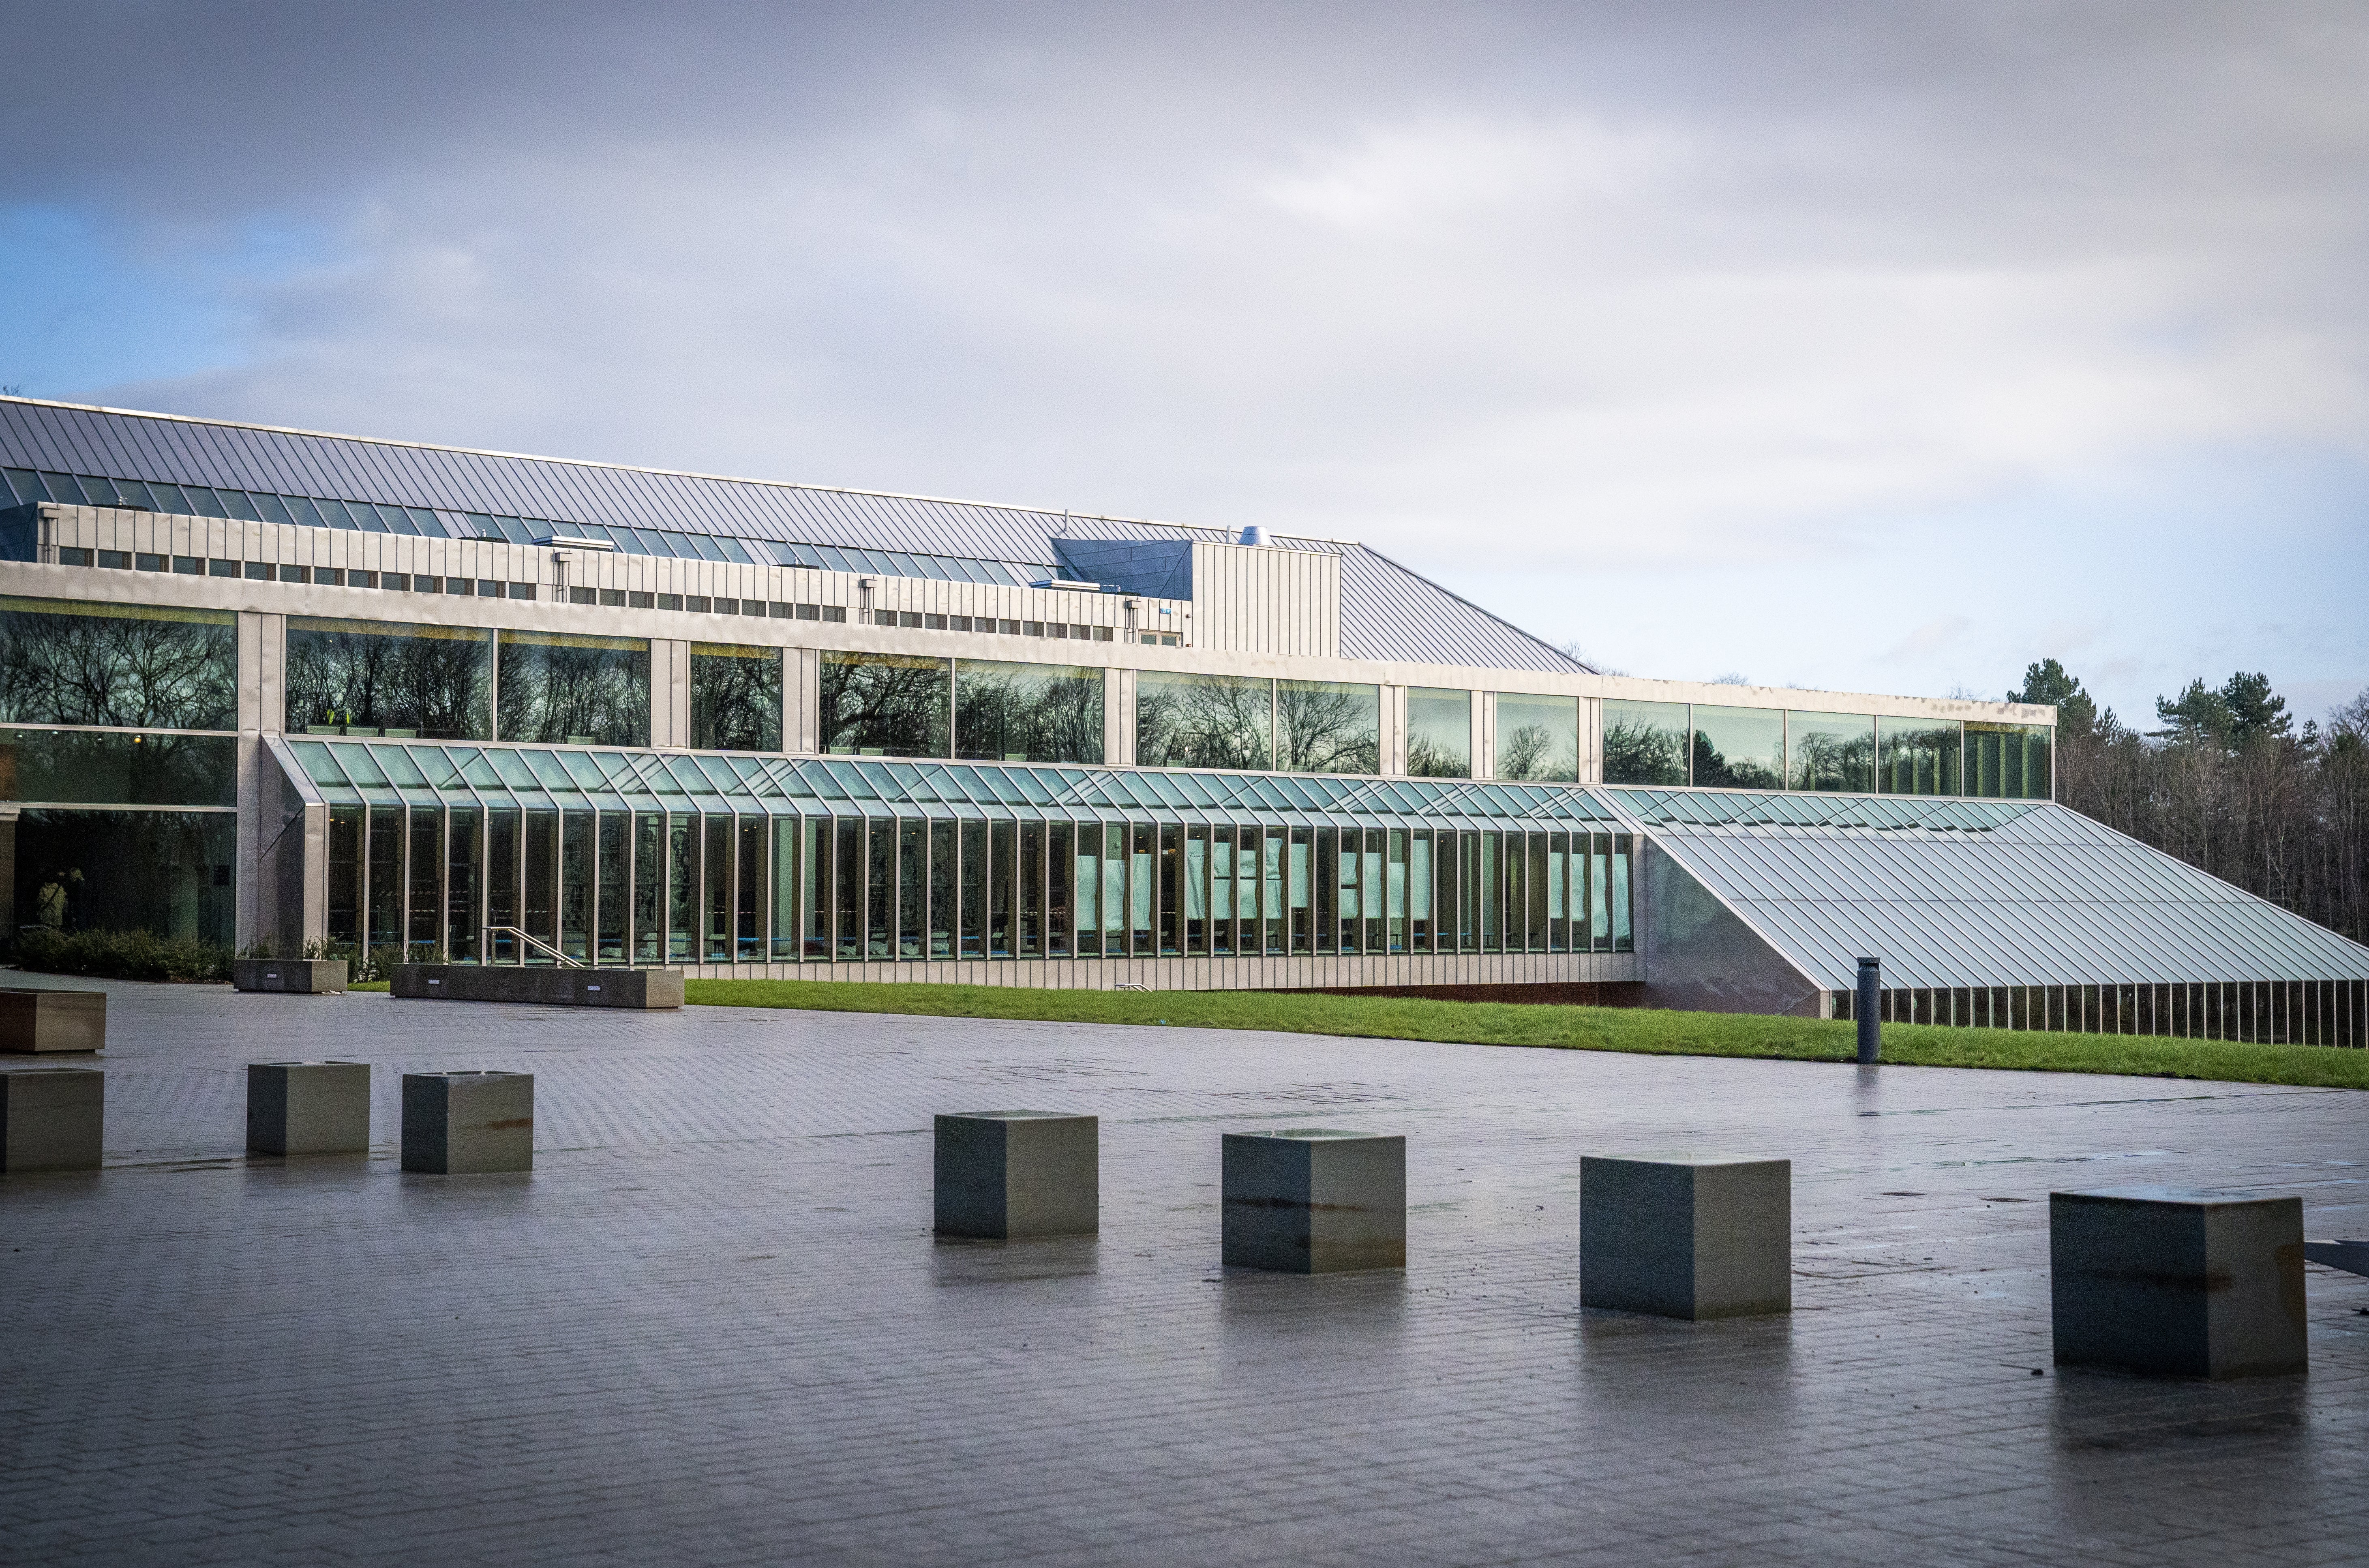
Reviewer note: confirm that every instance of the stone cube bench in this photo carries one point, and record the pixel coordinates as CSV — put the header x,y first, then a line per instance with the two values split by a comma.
x,y
553,986
308,1107
1691,1236
1007,1174
51,1118
42,1023
462,1124
2166,1279
1309,1200
305,976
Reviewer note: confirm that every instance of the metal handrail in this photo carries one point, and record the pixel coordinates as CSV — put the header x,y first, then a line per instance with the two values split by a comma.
x,y
536,941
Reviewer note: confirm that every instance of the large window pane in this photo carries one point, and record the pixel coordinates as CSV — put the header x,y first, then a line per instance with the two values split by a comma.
x,y
1328,726
1203,721
383,677
1833,751
1029,712
1739,748
138,666
564,689
130,769
2007,760
1918,756
1537,737
166,872
736,697
1439,733
1644,743
885,705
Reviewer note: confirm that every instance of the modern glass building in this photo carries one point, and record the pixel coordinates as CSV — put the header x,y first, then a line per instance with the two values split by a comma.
x,y
265,686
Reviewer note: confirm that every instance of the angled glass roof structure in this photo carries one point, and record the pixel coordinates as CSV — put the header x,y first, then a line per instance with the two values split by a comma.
x,y
1960,893
211,468
431,774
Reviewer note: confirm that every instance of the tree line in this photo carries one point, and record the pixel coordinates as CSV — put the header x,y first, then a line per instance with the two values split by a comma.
x,y
2229,782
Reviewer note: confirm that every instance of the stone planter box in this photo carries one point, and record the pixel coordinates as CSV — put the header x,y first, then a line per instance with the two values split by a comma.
x,y
1687,1235
553,986
2159,1279
308,1107
462,1124
39,1023
309,977
1313,1201
51,1118
1007,1174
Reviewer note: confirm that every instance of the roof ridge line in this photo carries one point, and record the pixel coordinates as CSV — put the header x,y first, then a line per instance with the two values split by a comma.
x,y
638,468
1584,667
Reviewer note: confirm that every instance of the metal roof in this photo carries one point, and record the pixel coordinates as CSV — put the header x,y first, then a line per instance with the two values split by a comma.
x,y
1386,612
1976,893
388,772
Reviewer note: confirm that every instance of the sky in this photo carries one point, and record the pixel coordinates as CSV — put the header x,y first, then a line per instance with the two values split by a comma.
x,y
1877,348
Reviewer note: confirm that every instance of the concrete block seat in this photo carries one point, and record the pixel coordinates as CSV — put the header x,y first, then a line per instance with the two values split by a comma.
x,y
51,1118
1008,1174
462,1124
35,1021
553,986
2171,1280
306,977
1310,1200
1687,1235
308,1107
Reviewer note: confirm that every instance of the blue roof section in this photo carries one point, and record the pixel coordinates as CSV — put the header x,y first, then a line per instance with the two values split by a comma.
x,y
1386,612
1976,893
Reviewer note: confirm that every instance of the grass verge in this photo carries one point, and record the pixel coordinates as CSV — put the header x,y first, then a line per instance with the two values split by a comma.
x,y
1639,1030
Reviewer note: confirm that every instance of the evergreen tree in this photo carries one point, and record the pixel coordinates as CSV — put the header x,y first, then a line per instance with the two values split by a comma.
x,y
2050,683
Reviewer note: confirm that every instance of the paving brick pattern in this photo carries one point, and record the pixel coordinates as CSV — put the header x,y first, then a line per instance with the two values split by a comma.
x,y
713,1326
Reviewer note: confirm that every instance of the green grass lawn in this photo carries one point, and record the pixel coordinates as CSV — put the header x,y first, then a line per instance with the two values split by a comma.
x,y
1639,1030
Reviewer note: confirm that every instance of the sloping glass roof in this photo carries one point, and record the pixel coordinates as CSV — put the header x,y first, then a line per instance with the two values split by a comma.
x,y
430,773
1976,893
214,468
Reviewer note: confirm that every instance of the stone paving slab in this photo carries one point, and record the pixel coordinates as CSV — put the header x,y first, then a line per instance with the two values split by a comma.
x,y
713,1325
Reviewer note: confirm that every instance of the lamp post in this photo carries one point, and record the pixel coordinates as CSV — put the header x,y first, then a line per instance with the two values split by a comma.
x,y
1867,1010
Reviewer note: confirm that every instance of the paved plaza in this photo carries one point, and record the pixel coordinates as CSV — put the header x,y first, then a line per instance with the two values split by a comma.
x,y
713,1327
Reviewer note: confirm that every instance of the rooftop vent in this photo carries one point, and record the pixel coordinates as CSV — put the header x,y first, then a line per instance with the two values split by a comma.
x,y
1252,536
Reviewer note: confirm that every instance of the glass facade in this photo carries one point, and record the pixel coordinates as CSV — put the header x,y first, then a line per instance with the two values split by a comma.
x,y
1537,737
163,872
1028,713
136,665
118,767
886,705
718,859
1328,726
1438,733
736,697
1203,721
2008,760
1764,749
1644,743
389,678
562,687
1916,756
1739,747
1830,752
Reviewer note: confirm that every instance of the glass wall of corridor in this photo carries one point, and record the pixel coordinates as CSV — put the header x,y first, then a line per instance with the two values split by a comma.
x,y
620,857
1710,746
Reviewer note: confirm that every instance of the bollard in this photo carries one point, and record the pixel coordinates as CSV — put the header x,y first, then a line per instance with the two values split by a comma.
x,y
1007,1174
1311,1201
457,1124
308,1107
1867,1010
2167,1280
1687,1235
51,1118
